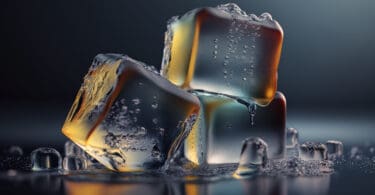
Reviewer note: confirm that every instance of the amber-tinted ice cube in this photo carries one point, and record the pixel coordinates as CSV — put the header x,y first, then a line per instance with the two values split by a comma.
x,y
224,50
127,116
223,124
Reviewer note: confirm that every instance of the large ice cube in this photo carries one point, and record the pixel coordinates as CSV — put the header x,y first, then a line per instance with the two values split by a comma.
x,y
127,116
223,124
222,49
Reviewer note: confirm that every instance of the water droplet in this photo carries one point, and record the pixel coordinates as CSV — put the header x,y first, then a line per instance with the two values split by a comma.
x,y
252,110
155,121
154,105
244,79
137,111
136,101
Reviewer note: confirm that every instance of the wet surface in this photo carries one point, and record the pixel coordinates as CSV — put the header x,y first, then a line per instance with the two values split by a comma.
x,y
350,177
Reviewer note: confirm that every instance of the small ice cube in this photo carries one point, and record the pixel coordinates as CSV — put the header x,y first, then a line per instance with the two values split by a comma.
x,y
313,151
253,157
335,149
73,163
291,137
45,159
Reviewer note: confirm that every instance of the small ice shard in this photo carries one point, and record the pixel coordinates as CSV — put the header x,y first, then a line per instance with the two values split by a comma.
x,y
291,137
224,122
45,159
291,142
74,163
124,110
224,50
335,149
313,151
253,157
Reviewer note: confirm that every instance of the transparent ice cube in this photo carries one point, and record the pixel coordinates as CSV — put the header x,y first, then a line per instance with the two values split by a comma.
x,y
253,156
291,137
335,149
313,151
224,123
45,159
73,163
127,116
222,49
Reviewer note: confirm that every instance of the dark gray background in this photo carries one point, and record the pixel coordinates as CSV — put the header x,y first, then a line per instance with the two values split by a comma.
x,y
47,46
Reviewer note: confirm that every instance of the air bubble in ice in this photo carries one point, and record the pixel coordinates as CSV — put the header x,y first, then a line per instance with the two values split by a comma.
x,y
45,159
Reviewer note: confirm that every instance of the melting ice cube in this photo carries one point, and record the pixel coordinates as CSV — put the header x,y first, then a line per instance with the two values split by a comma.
x,y
335,149
127,116
253,156
223,123
45,159
313,151
222,49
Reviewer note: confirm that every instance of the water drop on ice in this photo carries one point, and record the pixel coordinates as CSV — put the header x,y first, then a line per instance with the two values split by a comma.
x,y
45,159
252,110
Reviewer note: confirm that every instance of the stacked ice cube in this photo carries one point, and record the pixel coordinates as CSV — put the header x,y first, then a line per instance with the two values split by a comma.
x,y
216,88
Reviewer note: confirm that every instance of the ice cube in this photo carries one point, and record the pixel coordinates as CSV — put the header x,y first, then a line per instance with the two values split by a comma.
x,y
73,163
335,149
115,120
222,49
291,137
291,142
313,151
224,123
45,159
253,156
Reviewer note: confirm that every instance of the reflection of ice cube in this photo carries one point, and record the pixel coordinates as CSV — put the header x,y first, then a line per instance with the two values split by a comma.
x,y
115,120
224,50
335,149
224,123
45,159
313,151
253,156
